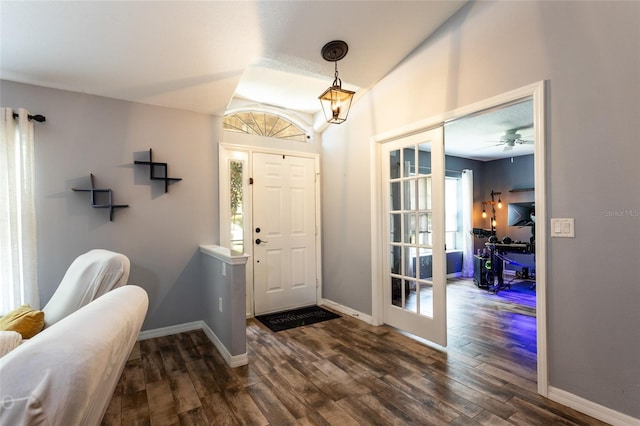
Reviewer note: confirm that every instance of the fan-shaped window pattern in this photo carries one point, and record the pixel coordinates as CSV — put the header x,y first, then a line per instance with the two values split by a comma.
x,y
264,124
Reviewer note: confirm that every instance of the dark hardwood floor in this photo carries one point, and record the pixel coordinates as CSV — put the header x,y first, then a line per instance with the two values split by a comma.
x,y
346,372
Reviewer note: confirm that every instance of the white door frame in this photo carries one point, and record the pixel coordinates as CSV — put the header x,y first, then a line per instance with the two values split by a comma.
x,y
232,151
535,91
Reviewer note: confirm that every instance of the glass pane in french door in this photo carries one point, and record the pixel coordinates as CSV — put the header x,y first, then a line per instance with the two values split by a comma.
x,y
411,229
394,164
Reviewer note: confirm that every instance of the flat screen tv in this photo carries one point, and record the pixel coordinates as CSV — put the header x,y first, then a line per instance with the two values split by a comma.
x,y
521,214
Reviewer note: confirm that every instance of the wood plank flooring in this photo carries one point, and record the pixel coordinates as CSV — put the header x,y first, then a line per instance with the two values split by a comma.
x,y
346,372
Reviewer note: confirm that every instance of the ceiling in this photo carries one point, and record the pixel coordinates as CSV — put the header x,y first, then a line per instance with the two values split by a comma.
x,y
209,56
484,136
215,56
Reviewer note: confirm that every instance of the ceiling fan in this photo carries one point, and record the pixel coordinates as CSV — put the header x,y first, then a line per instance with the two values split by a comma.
x,y
510,138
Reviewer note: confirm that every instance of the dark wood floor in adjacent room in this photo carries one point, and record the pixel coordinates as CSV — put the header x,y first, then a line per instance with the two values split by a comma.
x,y
346,372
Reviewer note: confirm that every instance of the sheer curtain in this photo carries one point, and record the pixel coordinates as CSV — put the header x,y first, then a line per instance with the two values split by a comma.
x,y
18,270
467,223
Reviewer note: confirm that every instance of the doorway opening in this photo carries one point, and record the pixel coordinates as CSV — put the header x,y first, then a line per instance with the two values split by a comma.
x,y
492,294
508,140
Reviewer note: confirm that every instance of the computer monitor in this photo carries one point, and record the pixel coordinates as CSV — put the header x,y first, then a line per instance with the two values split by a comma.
x,y
521,214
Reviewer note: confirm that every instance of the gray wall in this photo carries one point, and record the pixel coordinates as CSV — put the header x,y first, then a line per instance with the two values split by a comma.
x,y
159,232
346,213
227,288
504,176
590,54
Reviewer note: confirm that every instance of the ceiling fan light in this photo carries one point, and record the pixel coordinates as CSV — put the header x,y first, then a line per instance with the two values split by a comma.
x,y
510,137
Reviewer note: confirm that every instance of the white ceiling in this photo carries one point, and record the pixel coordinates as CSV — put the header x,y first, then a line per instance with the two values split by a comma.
x,y
212,56
483,136
200,55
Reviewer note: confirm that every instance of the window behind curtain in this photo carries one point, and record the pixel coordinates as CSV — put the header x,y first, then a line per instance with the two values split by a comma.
x,y
453,213
18,269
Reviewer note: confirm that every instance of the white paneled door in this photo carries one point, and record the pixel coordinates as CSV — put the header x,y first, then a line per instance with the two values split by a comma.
x,y
284,232
415,264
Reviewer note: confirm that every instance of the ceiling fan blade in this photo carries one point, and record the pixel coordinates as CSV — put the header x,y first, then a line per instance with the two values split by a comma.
x,y
490,146
524,142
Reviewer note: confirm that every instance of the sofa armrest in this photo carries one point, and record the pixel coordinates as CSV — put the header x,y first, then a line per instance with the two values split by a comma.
x,y
67,374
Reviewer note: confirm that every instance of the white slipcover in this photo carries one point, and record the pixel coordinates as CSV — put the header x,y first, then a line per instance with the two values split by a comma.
x,y
89,276
9,340
66,374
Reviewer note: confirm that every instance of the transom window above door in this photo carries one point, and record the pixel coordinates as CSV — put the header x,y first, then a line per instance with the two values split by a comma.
x,y
264,124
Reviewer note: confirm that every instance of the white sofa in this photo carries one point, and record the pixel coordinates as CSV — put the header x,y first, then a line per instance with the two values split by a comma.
x,y
89,276
66,374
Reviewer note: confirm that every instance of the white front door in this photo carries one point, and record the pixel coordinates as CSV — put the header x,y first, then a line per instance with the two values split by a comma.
x,y
415,264
284,232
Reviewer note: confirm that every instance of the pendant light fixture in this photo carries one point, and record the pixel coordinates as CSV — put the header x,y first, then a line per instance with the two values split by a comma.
x,y
336,101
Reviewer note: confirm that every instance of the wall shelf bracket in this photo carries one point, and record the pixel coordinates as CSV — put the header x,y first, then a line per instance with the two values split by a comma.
x,y
152,167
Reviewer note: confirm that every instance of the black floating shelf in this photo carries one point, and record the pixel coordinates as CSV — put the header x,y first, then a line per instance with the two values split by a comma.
x,y
93,190
152,167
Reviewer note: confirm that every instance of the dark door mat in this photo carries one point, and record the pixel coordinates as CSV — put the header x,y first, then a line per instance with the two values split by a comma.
x,y
286,320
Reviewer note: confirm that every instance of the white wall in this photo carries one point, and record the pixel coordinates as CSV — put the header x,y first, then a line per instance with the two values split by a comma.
x,y
159,232
346,216
590,54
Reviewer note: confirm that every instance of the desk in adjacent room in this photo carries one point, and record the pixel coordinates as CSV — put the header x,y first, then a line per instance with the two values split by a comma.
x,y
503,251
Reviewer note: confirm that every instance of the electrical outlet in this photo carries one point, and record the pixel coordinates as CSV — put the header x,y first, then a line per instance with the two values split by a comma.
x,y
220,304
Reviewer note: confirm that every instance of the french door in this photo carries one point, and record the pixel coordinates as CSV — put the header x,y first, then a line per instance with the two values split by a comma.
x,y
284,232
415,264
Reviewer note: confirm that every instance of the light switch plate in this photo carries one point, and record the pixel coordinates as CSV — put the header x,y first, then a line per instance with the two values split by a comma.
x,y
563,227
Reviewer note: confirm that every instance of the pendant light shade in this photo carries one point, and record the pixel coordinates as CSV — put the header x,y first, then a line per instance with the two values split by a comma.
x,y
336,101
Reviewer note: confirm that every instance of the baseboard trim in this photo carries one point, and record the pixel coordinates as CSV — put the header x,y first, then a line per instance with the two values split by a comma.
x,y
597,411
231,360
346,310
167,331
